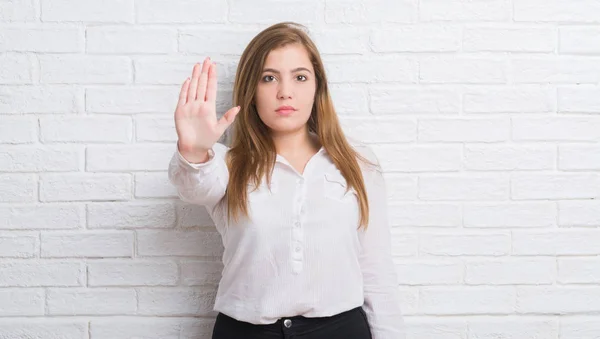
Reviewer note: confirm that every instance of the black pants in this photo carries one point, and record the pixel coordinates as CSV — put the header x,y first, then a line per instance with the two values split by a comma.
x,y
351,324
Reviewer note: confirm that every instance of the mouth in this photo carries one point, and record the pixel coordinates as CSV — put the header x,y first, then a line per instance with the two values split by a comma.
x,y
285,110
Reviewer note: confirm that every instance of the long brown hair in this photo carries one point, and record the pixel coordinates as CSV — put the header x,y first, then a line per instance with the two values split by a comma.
x,y
252,153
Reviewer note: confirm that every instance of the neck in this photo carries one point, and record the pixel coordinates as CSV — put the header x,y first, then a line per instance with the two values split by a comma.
x,y
296,143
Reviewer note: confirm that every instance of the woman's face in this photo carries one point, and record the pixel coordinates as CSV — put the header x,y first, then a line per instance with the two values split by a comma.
x,y
287,79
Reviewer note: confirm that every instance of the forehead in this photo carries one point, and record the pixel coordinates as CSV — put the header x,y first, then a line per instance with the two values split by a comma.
x,y
288,56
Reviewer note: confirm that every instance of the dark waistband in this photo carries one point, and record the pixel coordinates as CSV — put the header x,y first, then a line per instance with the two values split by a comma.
x,y
298,320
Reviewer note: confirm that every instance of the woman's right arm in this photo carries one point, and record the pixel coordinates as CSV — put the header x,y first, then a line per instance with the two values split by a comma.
x,y
200,183
197,168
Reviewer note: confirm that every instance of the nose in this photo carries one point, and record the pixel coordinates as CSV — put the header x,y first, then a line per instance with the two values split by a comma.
x,y
284,90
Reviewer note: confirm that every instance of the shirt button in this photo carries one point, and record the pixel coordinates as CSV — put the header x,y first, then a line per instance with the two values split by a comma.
x,y
298,249
287,323
297,224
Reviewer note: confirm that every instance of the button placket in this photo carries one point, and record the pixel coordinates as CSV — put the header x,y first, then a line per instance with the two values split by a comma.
x,y
297,231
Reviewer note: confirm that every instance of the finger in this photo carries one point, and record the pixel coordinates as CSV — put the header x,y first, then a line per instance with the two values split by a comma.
x,y
184,92
227,119
194,83
211,90
203,79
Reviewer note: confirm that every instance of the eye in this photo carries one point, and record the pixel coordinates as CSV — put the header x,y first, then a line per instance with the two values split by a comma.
x,y
268,78
302,76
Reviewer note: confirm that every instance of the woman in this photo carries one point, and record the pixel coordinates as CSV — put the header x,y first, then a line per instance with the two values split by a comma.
x,y
301,211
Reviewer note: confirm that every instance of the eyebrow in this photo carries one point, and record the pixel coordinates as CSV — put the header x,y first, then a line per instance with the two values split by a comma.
x,y
294,70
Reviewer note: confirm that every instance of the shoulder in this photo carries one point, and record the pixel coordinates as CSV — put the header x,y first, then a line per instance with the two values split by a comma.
x,y
366,151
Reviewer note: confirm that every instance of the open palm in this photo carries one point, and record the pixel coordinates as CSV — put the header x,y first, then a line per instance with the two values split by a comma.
x,y
196,115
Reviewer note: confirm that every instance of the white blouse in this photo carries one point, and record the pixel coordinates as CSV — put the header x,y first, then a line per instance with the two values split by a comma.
x,y
300,253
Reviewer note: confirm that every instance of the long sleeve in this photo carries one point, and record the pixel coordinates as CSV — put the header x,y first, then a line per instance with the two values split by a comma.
x,y
382,301
202,184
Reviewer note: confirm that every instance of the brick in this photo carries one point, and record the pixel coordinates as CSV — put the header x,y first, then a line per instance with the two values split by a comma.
x,y
522,99
267,11
380,129
467,300
464,10
464,130
78,69
416,38
44,216
535,271
193,215
155,129
18,188
404,244
18,130
457,70
509,157
84,187
17,11
212,41
49,39
178,243
115,11
436,328
131,100
131,215
137,327
378,11
510,39
550,129
138,157
555,70
399,100
154,185
513,327
585,11
15,69
88,129
41,99
41,274
181,11
97,301
579,40
142,40
39,159
430,214
177,302
372,70
88,244
42,328
429,272
578,270
421,158
132,273
17,246
401,187
555,186
579,100
578,157
510,214
459,187
21,302
347,40
579,213
557,299
580,327
563,242
349,101
196,272
467,243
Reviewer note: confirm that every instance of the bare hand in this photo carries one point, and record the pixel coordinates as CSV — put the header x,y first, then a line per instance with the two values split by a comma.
x,y
196,114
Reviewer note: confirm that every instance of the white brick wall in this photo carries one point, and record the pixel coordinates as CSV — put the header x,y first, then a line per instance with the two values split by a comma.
x,y
485,115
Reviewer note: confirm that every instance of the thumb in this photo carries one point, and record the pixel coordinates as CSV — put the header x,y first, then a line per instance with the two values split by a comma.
x,y
227,119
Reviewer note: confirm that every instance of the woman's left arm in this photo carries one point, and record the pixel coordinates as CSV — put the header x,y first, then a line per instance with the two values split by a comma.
x,y
381,293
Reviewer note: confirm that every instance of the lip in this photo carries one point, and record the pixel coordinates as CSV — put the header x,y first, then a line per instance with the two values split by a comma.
x,y
285,108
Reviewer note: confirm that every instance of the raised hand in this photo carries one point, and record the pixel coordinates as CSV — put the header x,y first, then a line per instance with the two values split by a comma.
x,y
196,113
